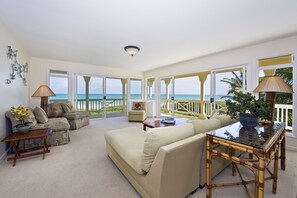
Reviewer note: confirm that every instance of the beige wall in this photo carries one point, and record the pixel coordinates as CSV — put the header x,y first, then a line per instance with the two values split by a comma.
x,y
40,68
15,93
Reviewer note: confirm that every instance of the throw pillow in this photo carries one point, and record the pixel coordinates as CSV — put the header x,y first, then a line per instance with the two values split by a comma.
x,y
67,107
158,137
137,106
30,118
40,115
218,112
55,110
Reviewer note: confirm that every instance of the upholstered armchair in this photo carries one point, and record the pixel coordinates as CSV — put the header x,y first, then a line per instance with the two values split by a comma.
x,y
138,112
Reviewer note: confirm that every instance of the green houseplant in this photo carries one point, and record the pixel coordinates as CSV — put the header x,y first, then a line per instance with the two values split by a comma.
x,y
247,108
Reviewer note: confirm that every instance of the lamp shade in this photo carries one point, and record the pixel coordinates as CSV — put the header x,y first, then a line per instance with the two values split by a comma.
x,y
273,84
43,91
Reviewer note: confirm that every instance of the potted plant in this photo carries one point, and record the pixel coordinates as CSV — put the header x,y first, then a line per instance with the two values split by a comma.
x,y
19,113
247,108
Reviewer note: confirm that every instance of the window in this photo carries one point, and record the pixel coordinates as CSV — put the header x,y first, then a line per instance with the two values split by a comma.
x,y
136,89
58,81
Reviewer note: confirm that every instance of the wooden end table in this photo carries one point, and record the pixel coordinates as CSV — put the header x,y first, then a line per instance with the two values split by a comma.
x,y
154,123
15,139
264,142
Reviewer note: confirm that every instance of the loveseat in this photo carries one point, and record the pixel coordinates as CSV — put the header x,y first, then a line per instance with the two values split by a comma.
x,y
38,119
76,119
165,162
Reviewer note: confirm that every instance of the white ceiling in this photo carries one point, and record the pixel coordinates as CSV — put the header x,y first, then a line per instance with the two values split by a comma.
x,y
167,31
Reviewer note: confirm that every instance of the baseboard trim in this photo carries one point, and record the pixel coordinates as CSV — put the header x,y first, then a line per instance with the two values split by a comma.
x,y
291,148
3,156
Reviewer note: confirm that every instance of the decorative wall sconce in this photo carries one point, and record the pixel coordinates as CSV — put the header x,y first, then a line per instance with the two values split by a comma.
x,y
16,68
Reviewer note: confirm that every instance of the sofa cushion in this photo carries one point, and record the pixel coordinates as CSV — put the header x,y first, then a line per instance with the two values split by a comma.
x,y
128,143
56,124
40,115
75,115
30,118
224,119
201,126
158,137
67,107
55,110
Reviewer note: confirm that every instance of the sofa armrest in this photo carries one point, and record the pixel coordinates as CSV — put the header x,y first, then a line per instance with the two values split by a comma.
x,y
176,168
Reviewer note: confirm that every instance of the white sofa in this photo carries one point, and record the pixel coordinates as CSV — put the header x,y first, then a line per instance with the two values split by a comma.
x,y
164,162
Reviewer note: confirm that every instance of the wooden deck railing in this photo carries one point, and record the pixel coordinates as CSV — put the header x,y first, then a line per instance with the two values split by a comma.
x,y
97,105
284,113
191,107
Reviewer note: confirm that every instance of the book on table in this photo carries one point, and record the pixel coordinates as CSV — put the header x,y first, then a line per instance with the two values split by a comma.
x,y
168,121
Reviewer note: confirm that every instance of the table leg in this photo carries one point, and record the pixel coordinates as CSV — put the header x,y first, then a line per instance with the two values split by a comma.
x,y
144,127
44,147
260,179
231,153
283,154
15,145
250,156
208,168
275,172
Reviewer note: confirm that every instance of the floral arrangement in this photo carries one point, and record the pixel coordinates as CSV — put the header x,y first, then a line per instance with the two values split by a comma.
x,y
19,113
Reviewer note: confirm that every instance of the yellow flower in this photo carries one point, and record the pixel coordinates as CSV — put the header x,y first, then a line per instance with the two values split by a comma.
x,y
20,112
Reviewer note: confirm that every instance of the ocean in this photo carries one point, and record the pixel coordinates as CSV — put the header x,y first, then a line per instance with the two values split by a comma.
x,y
135,96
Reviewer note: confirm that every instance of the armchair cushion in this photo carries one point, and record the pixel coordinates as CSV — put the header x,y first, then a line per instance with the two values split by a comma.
x,y
158,137
136,112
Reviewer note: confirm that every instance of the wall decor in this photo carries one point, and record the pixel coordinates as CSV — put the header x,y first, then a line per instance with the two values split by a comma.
x,y
16,68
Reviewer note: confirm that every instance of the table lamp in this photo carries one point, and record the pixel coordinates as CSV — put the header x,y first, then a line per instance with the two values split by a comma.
x,y
272,85
44,92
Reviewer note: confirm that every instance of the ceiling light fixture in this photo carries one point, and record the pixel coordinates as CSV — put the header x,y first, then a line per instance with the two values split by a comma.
x,y
132,50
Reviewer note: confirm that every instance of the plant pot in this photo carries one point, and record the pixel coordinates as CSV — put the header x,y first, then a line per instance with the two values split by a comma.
x,y
249,121
23,129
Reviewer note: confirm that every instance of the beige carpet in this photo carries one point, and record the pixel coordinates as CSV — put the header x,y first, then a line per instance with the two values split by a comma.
x,y
82,169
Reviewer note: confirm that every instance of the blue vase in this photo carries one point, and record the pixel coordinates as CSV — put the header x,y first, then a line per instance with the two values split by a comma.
x,y
248,120
23,129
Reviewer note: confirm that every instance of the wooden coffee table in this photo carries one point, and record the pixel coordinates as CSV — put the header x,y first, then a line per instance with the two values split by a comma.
x,y
154,123
15,139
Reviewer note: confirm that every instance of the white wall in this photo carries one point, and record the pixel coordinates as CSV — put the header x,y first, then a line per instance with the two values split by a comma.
x,y
245,55
15,93
40,69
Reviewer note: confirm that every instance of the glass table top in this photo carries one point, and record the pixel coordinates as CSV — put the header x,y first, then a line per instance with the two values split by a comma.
x,y
257,137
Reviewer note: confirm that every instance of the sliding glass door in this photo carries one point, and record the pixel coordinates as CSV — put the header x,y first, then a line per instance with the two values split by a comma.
x,y
116,97
89,95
